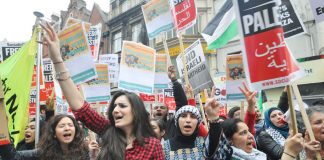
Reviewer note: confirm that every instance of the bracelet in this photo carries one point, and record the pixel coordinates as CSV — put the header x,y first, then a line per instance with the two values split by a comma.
x,y
58,62
63,79
59,74
289,155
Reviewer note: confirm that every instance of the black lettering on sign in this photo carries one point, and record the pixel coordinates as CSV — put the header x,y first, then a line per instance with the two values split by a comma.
x,y
319,10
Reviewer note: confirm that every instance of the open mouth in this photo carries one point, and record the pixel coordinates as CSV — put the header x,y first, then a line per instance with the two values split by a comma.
x,y
27,136
158,114
67,135
187,127
118,117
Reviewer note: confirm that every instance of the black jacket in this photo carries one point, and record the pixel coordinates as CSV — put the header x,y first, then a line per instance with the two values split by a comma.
x,y
181,100
269,146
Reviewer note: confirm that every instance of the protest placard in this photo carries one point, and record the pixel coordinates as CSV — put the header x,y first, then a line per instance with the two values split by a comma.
x,y
235,76
220,87
168,99
137,67
184,13
158,17
113,66
161,73
198,74
76,53
8,49
267,60
291,22
98,90
318,10
94,36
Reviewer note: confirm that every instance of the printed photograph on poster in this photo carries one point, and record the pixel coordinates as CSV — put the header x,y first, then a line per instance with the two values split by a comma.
x,y
235,76
137,67
158,17
76,53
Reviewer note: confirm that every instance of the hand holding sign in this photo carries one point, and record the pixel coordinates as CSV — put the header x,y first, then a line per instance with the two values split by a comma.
x,y
211,106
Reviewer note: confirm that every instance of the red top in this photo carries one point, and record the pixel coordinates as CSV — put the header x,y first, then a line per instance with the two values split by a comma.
x,y
152,148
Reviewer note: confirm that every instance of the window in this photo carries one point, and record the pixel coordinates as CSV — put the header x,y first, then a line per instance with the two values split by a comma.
x,y
136,31
117,42
124,7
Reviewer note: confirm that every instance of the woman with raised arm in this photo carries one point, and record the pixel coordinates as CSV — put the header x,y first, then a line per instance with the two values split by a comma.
x,y
127,133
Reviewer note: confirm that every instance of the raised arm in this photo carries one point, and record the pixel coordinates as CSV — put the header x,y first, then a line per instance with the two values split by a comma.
x,y
178,92
69,89
250,115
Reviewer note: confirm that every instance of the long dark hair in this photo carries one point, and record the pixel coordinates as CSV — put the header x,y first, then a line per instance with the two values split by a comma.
x,y
114,139
50,148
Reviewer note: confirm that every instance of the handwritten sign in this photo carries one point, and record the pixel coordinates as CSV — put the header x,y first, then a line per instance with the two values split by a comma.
x,y
266,57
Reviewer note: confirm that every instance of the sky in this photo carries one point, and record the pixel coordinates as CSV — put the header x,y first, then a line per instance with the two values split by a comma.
x,y
17,18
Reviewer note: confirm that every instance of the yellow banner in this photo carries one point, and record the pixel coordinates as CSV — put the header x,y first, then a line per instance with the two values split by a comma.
x,y
16,75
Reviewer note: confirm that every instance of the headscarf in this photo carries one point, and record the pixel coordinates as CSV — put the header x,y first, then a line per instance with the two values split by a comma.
x,y
284,130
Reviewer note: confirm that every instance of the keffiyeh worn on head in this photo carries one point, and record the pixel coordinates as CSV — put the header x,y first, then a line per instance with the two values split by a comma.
x,y
187,108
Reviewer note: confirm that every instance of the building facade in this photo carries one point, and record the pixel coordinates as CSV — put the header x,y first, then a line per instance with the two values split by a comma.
x,y
125,23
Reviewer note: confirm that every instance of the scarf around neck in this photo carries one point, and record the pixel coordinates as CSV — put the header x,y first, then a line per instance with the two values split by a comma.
x,y
239,154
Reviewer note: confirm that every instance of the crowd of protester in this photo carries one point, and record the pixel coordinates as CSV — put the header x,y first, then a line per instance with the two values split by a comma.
x,y
129,132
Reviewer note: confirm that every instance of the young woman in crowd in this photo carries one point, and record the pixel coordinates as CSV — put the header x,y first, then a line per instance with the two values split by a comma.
x,y
62,139
187,144
241,140
28,143
158,126
271,141
161,111
237,138
127,133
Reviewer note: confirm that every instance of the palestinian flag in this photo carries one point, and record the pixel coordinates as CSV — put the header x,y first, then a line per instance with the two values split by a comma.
x,y
222,28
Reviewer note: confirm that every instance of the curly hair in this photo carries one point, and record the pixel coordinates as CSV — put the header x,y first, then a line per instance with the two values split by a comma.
x,y
49,147
114,139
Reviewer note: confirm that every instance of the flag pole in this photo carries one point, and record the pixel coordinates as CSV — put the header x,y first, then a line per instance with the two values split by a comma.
x,y
305,117
39,54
